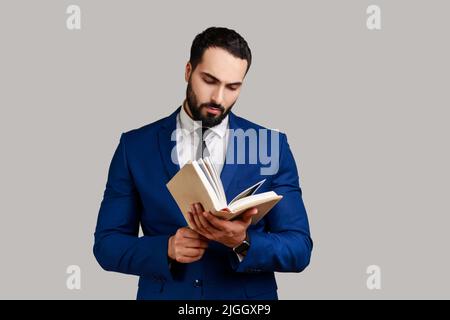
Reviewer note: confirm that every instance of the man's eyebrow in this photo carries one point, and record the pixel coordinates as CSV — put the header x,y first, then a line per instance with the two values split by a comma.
x,y
211,76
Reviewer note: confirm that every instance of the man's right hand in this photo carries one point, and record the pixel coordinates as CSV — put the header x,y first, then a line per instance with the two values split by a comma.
x,y
186,246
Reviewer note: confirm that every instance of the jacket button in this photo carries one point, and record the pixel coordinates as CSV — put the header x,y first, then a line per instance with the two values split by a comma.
x,y
198,283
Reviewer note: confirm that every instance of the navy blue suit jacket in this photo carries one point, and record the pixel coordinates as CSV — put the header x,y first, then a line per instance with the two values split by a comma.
x,y
136,194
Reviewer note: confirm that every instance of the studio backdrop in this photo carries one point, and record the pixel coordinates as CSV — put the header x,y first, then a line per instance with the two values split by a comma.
x,y
359,87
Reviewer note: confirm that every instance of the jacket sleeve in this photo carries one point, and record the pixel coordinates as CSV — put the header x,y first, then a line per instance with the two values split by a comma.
x,y
117,246
285,245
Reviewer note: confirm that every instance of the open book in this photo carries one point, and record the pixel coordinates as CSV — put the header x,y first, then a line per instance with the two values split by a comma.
x,y
199,181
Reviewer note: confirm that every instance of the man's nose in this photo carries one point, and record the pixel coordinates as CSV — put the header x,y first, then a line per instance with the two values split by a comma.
x,y
217,96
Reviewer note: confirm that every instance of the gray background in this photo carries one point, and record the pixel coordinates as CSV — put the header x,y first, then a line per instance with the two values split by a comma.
x,y
366,115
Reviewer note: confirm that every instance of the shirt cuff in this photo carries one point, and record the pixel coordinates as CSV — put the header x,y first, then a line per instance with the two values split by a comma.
x,y
240,257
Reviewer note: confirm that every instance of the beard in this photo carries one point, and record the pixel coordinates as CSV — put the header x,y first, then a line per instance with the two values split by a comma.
x,y
209,120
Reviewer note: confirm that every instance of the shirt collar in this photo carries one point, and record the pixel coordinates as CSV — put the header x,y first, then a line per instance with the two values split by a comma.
x,y
187,123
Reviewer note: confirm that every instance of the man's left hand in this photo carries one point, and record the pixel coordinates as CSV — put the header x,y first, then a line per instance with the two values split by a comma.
x,y
229,233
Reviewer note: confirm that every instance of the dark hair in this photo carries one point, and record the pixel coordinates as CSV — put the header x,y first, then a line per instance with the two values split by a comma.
x,y
219,37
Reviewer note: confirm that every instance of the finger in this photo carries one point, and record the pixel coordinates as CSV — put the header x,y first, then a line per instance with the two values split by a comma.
x,y
189,219
206,225
247,216
197,243
201,218
197,222
192,252
198,213
188,259
199,207
192,234
203,227
219,224
202,237
199,227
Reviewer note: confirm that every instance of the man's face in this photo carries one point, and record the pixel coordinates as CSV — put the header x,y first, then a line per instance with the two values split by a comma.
x,y
214,86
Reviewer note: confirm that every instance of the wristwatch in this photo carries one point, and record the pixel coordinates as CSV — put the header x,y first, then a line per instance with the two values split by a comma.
x,y
243,247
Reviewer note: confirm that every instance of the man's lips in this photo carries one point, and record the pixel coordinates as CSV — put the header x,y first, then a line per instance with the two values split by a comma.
x,y
213,110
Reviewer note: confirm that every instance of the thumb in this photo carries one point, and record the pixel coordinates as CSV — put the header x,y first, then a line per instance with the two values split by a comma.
x,y
247,216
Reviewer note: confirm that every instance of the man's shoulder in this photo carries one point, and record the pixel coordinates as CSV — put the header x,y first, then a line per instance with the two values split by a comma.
x,y
147,131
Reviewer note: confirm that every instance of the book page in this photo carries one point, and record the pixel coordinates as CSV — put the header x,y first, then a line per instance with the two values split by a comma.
x,y
264,202
249,191
206,171
253,200
217,179
217,204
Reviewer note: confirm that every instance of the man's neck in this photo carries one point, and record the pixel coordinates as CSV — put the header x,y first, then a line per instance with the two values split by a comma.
x,y
187,109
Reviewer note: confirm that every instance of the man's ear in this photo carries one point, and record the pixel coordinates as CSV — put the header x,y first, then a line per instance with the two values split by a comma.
x,y
188,71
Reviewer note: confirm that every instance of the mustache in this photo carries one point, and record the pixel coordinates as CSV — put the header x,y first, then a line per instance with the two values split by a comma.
x,y
212,105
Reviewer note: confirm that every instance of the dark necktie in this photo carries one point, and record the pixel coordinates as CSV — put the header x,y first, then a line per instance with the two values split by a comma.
x,y
202,150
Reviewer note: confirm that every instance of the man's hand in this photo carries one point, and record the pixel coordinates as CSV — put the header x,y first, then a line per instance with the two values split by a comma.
x,y
229,233
186,246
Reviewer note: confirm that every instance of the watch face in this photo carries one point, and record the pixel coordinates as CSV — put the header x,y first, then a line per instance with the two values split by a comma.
x,y
242,247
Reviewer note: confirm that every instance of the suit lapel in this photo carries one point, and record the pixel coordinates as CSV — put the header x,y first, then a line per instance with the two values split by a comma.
x,y
229,168
167,146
